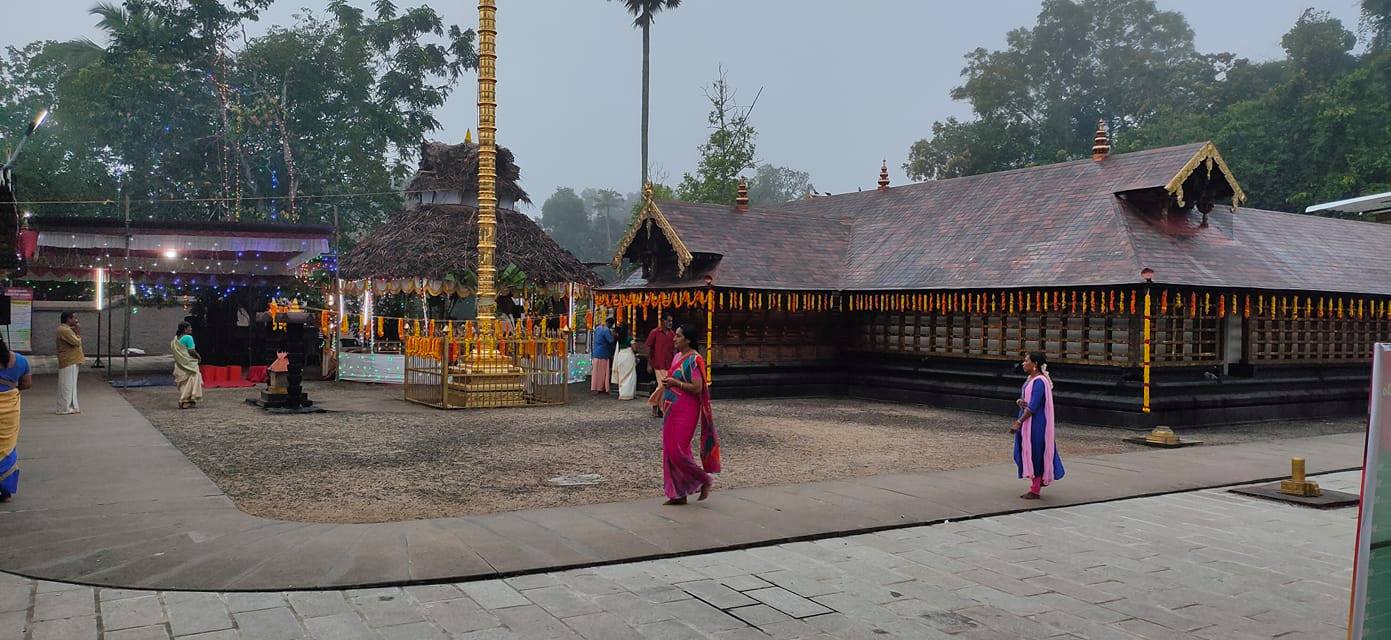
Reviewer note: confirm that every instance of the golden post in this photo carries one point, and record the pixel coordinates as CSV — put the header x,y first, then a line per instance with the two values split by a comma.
x,y
487,177
1298,485
490,377
1145,399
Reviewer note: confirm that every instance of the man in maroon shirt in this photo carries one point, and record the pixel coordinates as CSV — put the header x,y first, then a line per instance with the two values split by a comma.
x,y
661,347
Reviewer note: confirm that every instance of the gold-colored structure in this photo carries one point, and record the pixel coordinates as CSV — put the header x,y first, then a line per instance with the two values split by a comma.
x,y
1297,485
486,376
1163,436
535,359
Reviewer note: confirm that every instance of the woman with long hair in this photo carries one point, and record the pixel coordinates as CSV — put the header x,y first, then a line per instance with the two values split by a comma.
x,y
186,373
625,364
1035,446
14,377
687,398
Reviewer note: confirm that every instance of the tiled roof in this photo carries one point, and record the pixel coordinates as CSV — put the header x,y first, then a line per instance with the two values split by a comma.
x,y
1258,249
1050,226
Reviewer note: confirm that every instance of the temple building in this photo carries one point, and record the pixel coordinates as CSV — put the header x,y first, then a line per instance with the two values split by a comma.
x,y
213,274
1157,297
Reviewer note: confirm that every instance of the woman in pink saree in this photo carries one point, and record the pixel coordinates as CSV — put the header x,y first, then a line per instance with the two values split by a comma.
x,y
1035,446
686,400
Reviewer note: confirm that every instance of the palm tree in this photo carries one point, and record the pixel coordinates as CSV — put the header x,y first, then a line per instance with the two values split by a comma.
x,y
133,29
605,200
644,12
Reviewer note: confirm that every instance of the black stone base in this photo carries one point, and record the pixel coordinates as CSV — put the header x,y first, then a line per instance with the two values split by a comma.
x,y
1329,499
1101,395
298,411
1163,445
285,403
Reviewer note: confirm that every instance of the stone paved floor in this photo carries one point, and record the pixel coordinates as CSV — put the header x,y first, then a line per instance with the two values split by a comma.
x,y
1209,564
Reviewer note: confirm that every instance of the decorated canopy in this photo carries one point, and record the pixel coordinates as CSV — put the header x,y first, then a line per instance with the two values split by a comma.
x,y
170,251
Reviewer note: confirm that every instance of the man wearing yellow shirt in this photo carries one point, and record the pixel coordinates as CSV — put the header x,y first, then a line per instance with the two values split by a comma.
x,y
69,358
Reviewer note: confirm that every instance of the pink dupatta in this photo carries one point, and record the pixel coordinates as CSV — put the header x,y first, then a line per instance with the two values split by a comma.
x,y
1026,442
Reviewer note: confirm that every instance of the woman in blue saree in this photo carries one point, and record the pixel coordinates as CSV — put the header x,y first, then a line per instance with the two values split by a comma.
x,y
14,377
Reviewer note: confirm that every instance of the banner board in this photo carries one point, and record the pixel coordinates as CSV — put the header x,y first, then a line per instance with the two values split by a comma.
x,y
1371,588
19,332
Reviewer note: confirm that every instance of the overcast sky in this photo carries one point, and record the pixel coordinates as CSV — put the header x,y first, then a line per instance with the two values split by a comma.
x,y
845,84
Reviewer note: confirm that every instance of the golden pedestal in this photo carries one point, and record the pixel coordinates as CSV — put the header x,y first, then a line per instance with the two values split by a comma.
x,y
1297,485
1162,436
488,383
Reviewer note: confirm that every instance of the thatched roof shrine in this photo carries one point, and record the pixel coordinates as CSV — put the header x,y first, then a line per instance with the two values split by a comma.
x,y
436,237
454,167
434,241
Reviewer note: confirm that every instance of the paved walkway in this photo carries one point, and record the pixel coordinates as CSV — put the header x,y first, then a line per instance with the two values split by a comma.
x,y
1209,565
106,500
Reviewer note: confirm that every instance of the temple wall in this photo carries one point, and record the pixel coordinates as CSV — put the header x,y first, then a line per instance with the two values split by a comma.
x,y
1312,340
1085,339
1215,357
151,328
771,337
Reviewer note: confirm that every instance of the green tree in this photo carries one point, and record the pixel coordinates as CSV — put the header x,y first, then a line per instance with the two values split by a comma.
x,y
1314,131
603,202
61,159
1318,47
1376,19
644,13
170,109
563,215
774,185
1037,101
728,151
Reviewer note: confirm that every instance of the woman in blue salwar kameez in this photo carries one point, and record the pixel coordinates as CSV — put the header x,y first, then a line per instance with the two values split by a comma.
x,y
1035,445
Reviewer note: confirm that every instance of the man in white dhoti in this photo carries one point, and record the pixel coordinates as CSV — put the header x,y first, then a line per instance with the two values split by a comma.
x,y
70,358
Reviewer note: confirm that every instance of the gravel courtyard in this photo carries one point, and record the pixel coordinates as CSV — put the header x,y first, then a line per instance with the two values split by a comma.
x,y
375,457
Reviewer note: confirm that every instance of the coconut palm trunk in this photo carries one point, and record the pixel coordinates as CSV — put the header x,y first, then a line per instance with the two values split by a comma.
x,y
646,96
643,12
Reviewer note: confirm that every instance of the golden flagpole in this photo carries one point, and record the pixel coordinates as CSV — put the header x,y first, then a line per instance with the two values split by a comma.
x,y
490,378
487,177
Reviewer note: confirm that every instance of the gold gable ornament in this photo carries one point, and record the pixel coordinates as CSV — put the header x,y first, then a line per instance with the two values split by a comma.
x,y
650,211
1208,158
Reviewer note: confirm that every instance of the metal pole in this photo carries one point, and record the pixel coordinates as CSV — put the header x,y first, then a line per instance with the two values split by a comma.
x,y
97,364
334,330
125,331
109,321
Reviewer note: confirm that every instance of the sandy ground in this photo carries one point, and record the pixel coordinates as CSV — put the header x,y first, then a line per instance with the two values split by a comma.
x,y
376,458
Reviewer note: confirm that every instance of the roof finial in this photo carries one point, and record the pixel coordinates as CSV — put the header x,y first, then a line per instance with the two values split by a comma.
x,y
884,175
647,192
468,136
741,201
1101,146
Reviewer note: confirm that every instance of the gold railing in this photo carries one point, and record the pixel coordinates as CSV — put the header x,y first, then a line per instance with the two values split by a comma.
x,y
532,370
